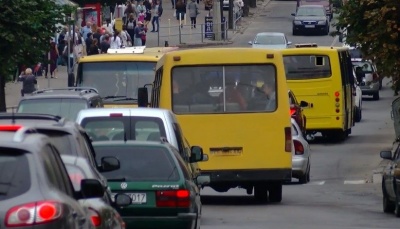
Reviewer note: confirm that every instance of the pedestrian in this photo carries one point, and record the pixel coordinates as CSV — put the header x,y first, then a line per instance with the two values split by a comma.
x,y
130,9
94,48
193,12
124,37
140,8
88,42
180,12
54,54
108,26
130,25
141,16
147,19
69,58
105,44
157,12
97,34
61,46
144,35
86,30
139,31
115,41
29,82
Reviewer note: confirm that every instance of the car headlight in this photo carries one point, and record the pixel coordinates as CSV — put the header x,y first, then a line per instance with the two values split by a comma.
x,y
321,22
297,22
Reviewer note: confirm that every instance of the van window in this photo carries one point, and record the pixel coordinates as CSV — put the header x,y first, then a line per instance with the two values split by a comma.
x,y
303,67
15,178
68,108
224,89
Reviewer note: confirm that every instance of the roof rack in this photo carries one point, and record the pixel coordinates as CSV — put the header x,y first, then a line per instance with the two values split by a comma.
x,y
306,45
81,89
20,116
20,134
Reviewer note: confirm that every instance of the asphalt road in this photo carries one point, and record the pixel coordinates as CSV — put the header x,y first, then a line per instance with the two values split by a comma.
x,y
342,193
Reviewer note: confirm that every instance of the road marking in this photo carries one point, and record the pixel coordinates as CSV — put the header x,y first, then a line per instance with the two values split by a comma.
x,y
355,182
334,41
317,183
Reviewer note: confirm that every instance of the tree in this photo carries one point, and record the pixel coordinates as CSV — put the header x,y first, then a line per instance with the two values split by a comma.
x,y
26,27
374,26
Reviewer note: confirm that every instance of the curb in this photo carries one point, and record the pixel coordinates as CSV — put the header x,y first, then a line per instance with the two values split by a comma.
x,y
199,45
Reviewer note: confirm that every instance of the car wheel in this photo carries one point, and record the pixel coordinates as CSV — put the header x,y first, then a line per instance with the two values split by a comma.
x,y
357,114
261,192
376,96
294,32
305,177
388,206
275,192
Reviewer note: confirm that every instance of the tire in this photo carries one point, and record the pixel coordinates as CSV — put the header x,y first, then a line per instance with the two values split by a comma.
x,y
357,114
376,96
397,206
261,192
275,192
388,206
294,32
306,177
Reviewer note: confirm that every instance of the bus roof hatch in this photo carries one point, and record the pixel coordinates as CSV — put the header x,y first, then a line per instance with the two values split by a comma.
x,y
127,50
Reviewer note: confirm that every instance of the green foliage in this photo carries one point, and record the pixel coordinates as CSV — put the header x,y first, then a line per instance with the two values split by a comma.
x,y
374,25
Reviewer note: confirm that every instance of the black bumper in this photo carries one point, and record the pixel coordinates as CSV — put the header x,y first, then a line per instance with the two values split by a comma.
x,y
244,176
303,28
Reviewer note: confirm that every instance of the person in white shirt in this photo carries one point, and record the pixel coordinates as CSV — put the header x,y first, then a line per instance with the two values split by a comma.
x,y
124,37
115,42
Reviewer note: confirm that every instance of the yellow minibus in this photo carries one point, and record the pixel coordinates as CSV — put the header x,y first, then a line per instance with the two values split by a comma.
x,y
118,74
233,102
323,76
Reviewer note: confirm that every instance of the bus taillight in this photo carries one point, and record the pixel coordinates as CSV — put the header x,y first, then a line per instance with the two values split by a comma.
x,y
337,99
337,94
288,139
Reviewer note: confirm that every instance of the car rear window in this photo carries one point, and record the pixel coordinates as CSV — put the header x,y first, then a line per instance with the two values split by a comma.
x,y
63,141
114,128
139,163
304,67
14,174
365,65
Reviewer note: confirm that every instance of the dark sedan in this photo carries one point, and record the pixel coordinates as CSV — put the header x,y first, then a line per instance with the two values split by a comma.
x,y
310,18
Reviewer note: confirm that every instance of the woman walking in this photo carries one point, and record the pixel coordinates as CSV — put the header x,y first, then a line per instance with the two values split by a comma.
x,y
53,60
94,47
180,12
193,12
115,41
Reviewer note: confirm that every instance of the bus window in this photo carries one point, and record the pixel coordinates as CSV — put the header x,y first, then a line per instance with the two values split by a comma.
x,y
301,67
222,89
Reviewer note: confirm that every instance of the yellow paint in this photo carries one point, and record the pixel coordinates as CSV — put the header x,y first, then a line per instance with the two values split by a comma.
x,y
118,24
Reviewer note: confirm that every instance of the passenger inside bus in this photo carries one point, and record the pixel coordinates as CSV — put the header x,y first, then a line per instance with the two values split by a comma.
x,y
232,94
269,90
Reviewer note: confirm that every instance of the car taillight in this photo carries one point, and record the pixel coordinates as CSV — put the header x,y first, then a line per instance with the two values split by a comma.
x,y
33,213
11,128
298,147
173,198
374,76
95,217
288,139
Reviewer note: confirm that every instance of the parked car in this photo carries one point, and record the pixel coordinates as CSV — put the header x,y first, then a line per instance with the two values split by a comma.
x,y
369,84
35,189
143,124
391,181
65,102
310,18
270,40
158,180
102,214
301,163
296,111
357,99
327,4
67,136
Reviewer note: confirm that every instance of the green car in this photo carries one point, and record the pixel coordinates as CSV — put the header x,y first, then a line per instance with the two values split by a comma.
x,y
159,182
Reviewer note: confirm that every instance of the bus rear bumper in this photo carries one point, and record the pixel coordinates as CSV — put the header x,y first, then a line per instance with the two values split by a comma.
x,y
248,176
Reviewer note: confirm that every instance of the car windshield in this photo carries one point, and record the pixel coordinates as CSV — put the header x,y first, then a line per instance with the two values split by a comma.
x,y
65,107
139,163
365,65
310,11
14,174
269,40
301,67
116,78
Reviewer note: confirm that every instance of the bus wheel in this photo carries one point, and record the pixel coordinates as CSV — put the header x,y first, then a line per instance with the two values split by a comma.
x,y
275,192
261,192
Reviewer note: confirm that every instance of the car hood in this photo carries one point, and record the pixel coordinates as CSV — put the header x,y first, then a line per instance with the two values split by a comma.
x,y
269,46
310,18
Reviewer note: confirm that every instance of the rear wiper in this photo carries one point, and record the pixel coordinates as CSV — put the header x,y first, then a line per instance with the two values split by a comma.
x,y
114,96
127,98
117,179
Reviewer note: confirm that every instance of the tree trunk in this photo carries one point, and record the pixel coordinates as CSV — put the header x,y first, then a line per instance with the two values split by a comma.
x,y
253,3
2,94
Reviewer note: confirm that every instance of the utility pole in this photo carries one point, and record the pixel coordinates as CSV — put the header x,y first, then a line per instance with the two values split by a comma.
x,y
231,14
217,20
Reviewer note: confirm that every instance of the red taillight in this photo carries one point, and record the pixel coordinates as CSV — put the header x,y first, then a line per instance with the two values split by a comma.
x,y
116,115
10,128
95,217
173,198
33,213
374,76
298,147
288,139
337,94
292,111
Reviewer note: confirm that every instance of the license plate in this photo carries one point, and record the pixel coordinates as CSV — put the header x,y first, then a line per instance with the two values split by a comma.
x,y
309,26
138,198
229,151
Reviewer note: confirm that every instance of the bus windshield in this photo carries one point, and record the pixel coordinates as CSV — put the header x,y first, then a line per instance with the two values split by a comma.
x,y
116,79
224,89
304,67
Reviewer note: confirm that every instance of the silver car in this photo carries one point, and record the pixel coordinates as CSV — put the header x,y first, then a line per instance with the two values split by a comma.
x,y
301,155
270,40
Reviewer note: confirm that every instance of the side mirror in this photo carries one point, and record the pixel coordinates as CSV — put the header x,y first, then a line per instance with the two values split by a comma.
x,y
293,14
250,42
143,97
196,154
289,43
91,188
122,200
303,104
203,180
109,164
341,38
386,155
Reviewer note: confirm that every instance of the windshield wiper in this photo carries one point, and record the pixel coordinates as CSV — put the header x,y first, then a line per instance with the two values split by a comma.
x,y
127,98
117,179
114,96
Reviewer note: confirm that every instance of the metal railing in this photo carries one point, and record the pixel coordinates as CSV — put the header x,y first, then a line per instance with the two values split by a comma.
x,y
237,16
187,34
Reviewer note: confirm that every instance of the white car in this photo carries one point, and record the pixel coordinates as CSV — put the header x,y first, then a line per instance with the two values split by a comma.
x,y
301,163
357,100
270,40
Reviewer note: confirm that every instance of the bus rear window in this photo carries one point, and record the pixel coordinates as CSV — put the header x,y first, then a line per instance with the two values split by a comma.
x,y
307,67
